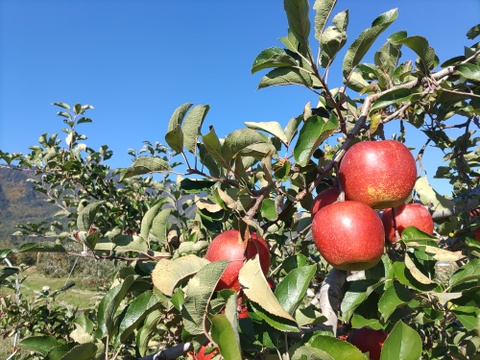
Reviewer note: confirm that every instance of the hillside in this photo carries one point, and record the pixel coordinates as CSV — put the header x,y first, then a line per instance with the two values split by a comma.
x,y
20,204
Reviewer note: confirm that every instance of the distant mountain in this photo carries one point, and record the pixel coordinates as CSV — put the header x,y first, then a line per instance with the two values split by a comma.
x,y
20,204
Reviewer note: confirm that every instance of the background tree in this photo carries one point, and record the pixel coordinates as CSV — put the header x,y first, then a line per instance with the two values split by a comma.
x,y
158,221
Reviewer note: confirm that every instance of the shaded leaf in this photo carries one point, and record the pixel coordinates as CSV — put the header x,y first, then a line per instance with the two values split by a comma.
x,y
87,351
239,140
420,46
393,297
473,32
148,218
334,38
298,21
416,273
469,71
430,197
395,96
160,225
469,271
358,292
6,272
214,147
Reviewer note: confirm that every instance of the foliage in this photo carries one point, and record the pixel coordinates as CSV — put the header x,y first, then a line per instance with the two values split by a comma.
x,y
262,177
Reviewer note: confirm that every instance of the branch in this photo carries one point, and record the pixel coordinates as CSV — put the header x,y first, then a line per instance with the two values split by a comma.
x,y
170,353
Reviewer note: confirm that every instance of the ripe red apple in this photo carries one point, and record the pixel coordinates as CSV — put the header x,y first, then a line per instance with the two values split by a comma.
x,y
200,355
349,235
477,234
324,198
380,174
229,246
406,215
367,339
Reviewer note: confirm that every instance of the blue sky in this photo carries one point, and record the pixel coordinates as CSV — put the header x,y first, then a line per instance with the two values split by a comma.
x,y
136,61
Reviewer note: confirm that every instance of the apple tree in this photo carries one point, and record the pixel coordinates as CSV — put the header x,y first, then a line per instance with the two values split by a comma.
x,y
158,217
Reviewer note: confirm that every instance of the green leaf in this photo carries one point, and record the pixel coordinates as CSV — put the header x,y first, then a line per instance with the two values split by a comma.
x,y
358,292
86,216
41,247
412,234
389,54
403,343
276,322
420,46
199,291
473,32
298,21
168,273
334,38
41,344
87,351
135,313
307,352
147,331
429,196
273,57
106,313
148,218
469,71
269,209
214,147
292,127
313,132
336,348
122,244
256,288
145,165
193,186
286,76
393,297
416,273
191,126
469,316
62,105
160,225
291,291
469,271
240,140
395,96
174,135
271,127
323,10
224,336
362,44
6,272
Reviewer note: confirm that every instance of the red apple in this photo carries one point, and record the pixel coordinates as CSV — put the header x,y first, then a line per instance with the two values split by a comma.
x,y
201,353
477,234
406,215
380,174
349,235
324,198
229,246
368,340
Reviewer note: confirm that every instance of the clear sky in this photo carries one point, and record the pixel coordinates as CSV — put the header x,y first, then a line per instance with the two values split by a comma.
x,y
136,61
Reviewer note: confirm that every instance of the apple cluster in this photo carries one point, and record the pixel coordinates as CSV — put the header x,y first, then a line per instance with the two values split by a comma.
x,y
374,175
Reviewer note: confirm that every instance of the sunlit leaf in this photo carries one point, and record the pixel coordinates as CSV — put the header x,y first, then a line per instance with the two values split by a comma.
x,y
174,135
336,348
191,126
86,216
393,297
145,165
224,335
420,46
430,197
334,38
358,292
469,271
395,96
160,225
41,344
168,273
313,132
323,10
41,247
298,21
272,127
291,291
256,288
403,343
286,76
240,140
362,44
469,71
273,57
416,273
199,291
